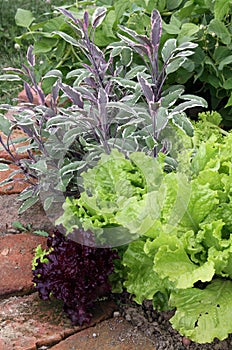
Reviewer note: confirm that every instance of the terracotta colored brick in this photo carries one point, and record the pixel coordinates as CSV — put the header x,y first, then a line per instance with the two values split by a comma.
x,y
16,254
19,184
112,334
27,323
17,134
12,187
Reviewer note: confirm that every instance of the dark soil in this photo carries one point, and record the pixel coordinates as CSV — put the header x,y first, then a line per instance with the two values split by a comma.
x,y
157,327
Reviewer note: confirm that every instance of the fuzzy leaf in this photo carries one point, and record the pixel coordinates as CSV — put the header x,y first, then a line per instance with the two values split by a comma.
x,y
146,87
68,14
98,16
10,77
181,120
175,64
156,29
126,83
54,73
191,101
4,167
131,74
126,57
27,204
86,21
168,49
30,56
67,38
28,92
141,39
5,125
171,97
74,95
71,167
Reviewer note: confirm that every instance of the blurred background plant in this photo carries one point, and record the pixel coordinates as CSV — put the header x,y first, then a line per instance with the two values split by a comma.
x,y
208,23
13,54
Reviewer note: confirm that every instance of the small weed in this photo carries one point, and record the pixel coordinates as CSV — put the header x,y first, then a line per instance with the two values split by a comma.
x,y
28,228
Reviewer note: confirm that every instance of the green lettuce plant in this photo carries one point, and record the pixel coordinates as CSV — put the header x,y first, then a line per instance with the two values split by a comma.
x,y
188,266
179,250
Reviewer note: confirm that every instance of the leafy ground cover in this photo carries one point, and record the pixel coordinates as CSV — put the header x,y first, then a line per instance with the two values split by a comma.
x,y
114,148
204,22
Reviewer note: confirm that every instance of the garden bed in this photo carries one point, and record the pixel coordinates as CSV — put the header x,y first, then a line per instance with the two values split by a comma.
x,y
137,171
29,312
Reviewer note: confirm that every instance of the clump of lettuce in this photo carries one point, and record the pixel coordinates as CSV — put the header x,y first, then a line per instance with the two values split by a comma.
x,y
73,273
179,230
188,266
117,192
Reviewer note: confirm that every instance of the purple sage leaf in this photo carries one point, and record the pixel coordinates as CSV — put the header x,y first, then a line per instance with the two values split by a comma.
x,y
16,70
147,89
86,20
156,29
74,95
30,56
69,15
55,91
98,16
28,92
41,95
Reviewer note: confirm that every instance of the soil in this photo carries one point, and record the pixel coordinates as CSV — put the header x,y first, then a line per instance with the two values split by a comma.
x,y
34,216
155,325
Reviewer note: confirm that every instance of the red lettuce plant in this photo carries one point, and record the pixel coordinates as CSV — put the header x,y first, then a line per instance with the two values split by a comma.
x,y
75,274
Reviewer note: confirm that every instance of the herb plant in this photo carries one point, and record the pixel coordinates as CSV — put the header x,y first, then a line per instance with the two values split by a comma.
x,y
113,103
205,23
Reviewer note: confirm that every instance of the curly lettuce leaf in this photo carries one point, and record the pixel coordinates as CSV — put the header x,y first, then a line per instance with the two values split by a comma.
x,y
115,199
203,314
139,216
166,205
142,280
171,261
203,200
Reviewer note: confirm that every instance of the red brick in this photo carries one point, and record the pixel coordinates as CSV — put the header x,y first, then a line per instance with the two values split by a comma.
x,y
13,187
16,134
112,334
16,254
19,184
27,323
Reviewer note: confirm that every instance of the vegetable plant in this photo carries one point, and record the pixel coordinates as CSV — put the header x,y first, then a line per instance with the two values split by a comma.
x,y
187,265
114,144
178,230
205,23
73,273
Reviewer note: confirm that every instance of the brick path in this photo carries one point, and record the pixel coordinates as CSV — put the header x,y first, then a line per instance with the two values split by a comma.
x,y
28,323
